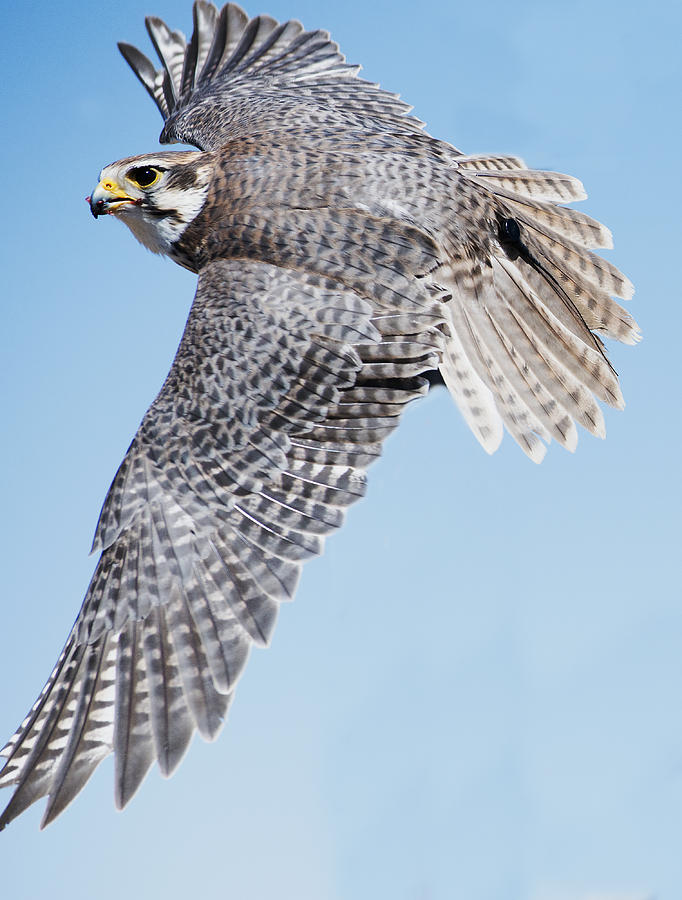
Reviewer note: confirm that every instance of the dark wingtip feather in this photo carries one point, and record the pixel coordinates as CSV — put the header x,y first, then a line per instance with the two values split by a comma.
x,y
144,70
141,65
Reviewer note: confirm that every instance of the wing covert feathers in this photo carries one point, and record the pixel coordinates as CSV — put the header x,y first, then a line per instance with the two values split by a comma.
x,y
361,256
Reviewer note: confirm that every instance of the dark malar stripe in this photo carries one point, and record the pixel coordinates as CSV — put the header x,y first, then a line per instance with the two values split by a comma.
x,y
163,213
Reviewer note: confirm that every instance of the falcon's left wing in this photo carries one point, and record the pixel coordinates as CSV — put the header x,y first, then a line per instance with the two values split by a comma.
x,y
284,386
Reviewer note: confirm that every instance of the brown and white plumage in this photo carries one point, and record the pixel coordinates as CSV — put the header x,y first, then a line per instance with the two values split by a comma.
x,y
342,254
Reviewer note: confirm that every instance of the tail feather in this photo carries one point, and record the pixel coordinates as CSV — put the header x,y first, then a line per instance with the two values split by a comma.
x,y
576,304
585,362
509,174
565,388
471,394
520,422
563,221
482,162
559,423
579,267
553,420
511,340
579,285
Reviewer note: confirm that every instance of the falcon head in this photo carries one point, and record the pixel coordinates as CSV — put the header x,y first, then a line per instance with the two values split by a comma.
x,y
157,196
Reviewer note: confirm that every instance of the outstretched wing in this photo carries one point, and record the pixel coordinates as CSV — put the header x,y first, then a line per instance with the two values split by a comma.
x,y
283,388
239,76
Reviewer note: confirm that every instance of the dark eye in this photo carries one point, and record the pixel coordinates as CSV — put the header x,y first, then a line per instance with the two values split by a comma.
x,y
144,176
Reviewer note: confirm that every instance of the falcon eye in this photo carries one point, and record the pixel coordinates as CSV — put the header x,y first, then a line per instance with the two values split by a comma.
x,y
144,176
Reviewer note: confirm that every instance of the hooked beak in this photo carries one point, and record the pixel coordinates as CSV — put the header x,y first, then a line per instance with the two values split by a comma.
x,y
107,198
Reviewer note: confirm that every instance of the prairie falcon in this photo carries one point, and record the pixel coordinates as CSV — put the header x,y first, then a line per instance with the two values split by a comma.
x,y
344,257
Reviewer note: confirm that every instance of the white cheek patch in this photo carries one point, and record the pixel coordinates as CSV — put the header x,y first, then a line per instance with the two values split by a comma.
x,y
158,233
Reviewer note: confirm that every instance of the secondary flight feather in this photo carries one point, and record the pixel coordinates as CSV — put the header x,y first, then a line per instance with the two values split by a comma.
x,y
345,258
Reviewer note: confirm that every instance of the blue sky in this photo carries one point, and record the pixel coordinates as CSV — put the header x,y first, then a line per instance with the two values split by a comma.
x,y
476,693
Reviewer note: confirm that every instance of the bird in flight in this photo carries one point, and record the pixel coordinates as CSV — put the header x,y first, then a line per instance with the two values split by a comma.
x,y
345,259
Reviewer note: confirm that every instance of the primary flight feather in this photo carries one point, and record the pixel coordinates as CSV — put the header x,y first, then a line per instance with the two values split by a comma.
x,y
344,257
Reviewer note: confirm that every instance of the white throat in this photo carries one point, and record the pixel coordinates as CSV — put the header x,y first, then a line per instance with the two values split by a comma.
x,y
157,233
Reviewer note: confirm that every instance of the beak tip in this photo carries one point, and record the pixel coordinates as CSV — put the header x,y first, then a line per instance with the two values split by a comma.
x,y
96,208
108,198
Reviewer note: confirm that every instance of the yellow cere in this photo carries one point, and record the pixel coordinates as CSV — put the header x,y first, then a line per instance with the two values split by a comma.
x,y
112,188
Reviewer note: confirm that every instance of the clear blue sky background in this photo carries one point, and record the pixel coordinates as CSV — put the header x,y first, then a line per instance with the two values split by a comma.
x,y
477,692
